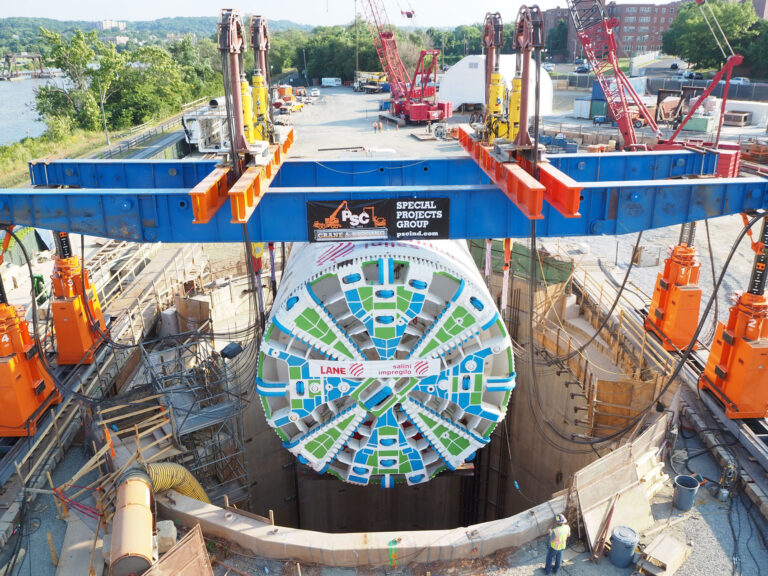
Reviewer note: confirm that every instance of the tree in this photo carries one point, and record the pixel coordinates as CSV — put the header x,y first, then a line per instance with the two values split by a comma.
x,y
151,85
758,48
690,38
557,39
198,76
87,63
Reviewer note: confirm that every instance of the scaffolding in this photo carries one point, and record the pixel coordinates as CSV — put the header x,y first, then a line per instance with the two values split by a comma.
x,y
200,388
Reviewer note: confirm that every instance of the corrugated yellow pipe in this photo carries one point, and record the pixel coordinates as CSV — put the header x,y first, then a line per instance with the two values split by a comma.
x,y
170,476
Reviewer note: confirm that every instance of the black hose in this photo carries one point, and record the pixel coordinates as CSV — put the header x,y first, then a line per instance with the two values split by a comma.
x,y
678,367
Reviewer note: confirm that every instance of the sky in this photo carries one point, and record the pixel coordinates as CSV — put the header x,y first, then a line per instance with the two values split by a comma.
x,y
315,12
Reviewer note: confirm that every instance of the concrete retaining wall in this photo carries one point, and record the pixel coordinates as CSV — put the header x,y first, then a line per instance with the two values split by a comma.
x,y
360,549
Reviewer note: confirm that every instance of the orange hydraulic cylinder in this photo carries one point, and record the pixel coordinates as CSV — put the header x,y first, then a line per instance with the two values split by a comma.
x,y
76,338
674,312
737,368
26,389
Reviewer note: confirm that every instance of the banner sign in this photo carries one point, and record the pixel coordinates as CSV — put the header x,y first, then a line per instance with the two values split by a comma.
x,y
383,219
375,369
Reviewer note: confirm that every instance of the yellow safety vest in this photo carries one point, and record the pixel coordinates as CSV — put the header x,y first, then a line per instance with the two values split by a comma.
x,y
558,536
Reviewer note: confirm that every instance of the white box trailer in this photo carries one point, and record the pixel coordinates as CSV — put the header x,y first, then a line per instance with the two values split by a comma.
x,y
330,82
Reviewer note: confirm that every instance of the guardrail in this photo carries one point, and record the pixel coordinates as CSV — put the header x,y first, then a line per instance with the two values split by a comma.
x,y
146,133
125,145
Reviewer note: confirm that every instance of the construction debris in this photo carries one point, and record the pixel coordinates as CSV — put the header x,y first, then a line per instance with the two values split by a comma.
x,y
663,556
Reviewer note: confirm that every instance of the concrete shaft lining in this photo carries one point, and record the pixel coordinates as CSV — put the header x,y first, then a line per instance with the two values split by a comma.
x,y
411,547
361,549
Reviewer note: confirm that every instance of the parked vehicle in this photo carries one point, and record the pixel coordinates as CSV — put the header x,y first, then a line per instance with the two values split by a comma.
x,y
674,66
548,66
691,75
314,92
740,81
582,70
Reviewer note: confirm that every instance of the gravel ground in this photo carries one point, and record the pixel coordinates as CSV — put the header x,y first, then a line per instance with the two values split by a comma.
x,y
43,518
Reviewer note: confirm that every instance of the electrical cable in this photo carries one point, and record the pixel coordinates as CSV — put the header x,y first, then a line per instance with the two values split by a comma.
x,y
715,317
634,421
608,315
64,385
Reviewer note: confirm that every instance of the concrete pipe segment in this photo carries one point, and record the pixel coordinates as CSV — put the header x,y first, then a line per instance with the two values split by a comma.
x,y
132,525
384,361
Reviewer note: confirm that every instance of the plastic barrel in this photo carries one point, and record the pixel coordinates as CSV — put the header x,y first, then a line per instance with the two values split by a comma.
x,y
685,492
623,543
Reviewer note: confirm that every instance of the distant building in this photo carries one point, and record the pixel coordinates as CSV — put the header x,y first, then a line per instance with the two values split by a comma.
x,y
761,7
111,24
639,26
172,37
118,40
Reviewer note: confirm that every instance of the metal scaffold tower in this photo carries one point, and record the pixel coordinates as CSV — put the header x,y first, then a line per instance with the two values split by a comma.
x,y
201,390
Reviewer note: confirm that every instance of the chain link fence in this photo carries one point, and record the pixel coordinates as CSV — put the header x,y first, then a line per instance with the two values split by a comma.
x,y
756,92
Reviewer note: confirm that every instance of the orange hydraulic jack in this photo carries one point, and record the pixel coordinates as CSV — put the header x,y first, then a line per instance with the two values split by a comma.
x,y
26,389
674,312
76,336
737,368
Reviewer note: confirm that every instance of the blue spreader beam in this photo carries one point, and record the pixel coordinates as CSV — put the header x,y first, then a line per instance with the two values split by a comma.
x,y
148,201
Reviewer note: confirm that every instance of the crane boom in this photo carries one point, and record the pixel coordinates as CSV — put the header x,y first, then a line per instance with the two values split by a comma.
x,y
595,32
413,99
386,47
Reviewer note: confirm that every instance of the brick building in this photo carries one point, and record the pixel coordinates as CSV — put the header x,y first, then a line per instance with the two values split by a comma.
x,y
639,26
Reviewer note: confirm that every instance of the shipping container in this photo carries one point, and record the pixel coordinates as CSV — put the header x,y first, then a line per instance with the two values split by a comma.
x,y
638,83
597,108
581,107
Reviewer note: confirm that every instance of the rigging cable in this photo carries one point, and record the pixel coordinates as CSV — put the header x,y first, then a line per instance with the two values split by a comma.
x,y
634,421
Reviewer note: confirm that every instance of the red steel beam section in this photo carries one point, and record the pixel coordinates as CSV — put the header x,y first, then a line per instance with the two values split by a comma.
x,y
527,193
524,190
248,191
561,191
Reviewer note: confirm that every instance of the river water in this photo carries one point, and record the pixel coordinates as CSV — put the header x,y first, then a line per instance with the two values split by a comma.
x,y
17,118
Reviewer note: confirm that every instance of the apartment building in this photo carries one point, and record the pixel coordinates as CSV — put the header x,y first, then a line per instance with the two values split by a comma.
x,y
638,27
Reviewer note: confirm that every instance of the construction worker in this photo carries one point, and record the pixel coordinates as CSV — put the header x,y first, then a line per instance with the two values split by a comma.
x,y
558,536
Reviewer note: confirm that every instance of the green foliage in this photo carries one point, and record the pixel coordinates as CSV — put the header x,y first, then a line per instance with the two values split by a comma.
x,y
755,54
196,61
74,99
690,38
330,52
134,86
14,157
557,39
23,34
282,51
150,86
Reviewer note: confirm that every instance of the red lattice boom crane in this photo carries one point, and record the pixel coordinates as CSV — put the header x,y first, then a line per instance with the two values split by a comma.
x,y
414,99
595,32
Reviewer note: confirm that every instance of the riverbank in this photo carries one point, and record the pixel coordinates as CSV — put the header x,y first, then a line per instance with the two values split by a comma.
x,y
79,144
14,157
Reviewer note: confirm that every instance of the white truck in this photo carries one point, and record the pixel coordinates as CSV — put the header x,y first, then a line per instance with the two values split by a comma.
x,y
326,82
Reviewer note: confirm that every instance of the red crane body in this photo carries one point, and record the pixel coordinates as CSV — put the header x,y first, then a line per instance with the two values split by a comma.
x,y
414,99
595,32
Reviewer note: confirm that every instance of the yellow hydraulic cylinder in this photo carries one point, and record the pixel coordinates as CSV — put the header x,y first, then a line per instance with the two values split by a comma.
x,y
245,91
259,96
261,107
496,94
513,113
496,121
